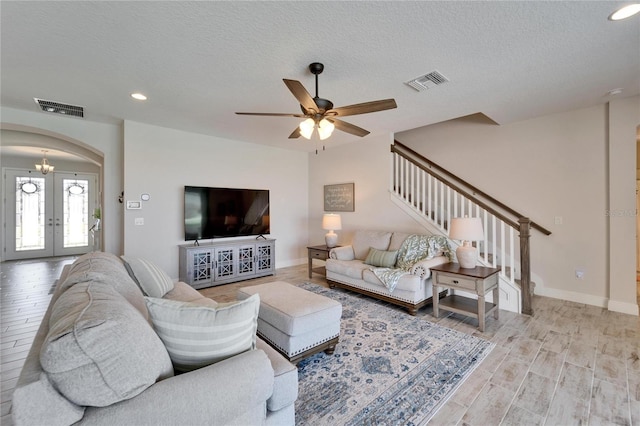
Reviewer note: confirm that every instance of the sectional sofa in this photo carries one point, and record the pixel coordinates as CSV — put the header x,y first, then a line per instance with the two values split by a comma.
x,y
105,354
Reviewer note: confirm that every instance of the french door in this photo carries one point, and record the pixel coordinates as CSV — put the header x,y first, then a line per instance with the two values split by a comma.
x,y
48,215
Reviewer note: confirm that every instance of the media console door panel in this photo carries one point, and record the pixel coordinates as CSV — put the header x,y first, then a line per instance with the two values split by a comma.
x,y
225,262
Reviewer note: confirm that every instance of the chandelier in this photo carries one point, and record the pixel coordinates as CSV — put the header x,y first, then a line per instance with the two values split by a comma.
x,y
44,166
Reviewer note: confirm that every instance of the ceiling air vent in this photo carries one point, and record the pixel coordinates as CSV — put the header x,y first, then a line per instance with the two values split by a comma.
x,y
60,108
427,81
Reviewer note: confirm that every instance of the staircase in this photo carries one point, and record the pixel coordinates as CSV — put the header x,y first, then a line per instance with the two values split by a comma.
x,y
433,196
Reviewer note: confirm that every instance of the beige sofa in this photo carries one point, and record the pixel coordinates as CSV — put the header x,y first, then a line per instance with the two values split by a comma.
x,y
97,359
347,268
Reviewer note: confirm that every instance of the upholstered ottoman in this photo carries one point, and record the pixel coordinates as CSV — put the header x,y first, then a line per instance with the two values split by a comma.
x,y
296,322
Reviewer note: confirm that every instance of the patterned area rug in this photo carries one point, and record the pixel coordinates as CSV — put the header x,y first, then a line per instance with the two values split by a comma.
x,y
390,368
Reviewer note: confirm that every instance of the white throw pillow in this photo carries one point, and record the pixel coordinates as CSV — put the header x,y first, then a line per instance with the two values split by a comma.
x,y
153,281
196,335
342,253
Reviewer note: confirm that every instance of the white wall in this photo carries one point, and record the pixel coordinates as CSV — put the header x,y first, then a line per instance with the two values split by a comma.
x,y
624,119
161,161
574,166
367,164
104,140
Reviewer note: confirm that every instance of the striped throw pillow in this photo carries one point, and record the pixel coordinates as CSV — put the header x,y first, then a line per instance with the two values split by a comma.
x,y
153,281
196,335
381,258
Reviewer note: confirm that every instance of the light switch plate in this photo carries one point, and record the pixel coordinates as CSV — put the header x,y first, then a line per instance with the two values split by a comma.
x,y
134,205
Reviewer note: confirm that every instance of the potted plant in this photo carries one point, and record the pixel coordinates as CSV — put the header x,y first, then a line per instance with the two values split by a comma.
x,y
97,216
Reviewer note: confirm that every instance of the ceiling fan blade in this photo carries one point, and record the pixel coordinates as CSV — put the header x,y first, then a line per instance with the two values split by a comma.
x,y
273,114
295,134
348,127
301,94
363,108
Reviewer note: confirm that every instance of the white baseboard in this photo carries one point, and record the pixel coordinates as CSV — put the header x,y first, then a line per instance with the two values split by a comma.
x,y
623,307
293,262
572,296
587,299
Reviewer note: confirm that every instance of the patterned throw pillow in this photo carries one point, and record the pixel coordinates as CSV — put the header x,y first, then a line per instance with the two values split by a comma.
x,y
381,258
196,335
153,281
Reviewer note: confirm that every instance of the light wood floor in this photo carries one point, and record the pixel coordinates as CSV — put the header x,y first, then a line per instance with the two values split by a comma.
x,y
568,364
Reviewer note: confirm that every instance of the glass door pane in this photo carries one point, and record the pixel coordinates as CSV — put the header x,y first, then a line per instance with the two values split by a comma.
x,y
28,209
75,213
30,213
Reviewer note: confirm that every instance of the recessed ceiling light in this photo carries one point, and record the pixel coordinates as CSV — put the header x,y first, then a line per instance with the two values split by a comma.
x,y
139,96
625,12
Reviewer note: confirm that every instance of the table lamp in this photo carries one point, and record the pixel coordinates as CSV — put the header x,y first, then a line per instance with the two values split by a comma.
x,y
466,229
331,222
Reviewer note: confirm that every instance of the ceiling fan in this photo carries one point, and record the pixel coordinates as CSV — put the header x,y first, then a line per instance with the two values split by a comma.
x,y
320,113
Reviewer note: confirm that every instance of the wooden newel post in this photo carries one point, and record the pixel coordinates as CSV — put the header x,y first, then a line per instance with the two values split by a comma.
x,y
525,265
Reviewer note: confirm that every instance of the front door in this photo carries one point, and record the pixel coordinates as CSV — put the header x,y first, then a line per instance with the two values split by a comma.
x,y
48,215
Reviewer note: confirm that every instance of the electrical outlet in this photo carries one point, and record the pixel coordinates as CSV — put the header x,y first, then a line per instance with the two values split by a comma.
x,y
558,220
139,221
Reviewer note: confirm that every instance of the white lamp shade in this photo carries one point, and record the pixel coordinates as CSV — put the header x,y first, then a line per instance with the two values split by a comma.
x,y
331,222
466,229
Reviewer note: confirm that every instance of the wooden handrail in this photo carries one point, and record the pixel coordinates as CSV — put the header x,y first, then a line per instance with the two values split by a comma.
x,y
441,171
459,190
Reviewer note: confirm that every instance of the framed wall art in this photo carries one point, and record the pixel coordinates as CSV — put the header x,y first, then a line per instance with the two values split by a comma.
x,y
339,197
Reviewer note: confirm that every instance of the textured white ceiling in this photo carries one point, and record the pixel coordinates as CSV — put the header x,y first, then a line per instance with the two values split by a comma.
x,y
199,62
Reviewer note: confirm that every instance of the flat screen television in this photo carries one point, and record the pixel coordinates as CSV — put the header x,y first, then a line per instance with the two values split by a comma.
x,y
224,212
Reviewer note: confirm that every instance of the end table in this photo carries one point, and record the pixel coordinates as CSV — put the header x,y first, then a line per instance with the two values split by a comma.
x,y
317,252
479,280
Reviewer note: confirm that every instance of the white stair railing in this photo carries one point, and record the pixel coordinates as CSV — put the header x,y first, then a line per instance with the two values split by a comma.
x,y
439,203
438,196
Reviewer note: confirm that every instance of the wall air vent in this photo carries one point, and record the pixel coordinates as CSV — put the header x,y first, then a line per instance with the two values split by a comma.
x,y
60,108
427,81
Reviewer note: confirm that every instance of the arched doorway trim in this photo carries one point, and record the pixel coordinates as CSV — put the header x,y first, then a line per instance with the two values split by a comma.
x,y
66,144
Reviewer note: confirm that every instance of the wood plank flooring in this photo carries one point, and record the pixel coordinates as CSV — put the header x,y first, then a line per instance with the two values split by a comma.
x,y
568,364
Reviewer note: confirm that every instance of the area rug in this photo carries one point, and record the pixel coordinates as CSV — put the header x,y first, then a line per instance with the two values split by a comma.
x,y
390,368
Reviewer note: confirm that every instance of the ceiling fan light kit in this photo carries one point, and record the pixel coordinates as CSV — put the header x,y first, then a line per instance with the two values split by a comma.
x,y
324,126
320,115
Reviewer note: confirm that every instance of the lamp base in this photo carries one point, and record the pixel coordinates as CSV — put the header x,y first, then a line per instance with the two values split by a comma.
x,y
467,256
331,239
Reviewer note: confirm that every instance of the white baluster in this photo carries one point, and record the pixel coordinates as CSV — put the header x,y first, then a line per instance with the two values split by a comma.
x,y
423,191
486,236
446,223
428,207
413,185
391,172
512,263
502,249
494,240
